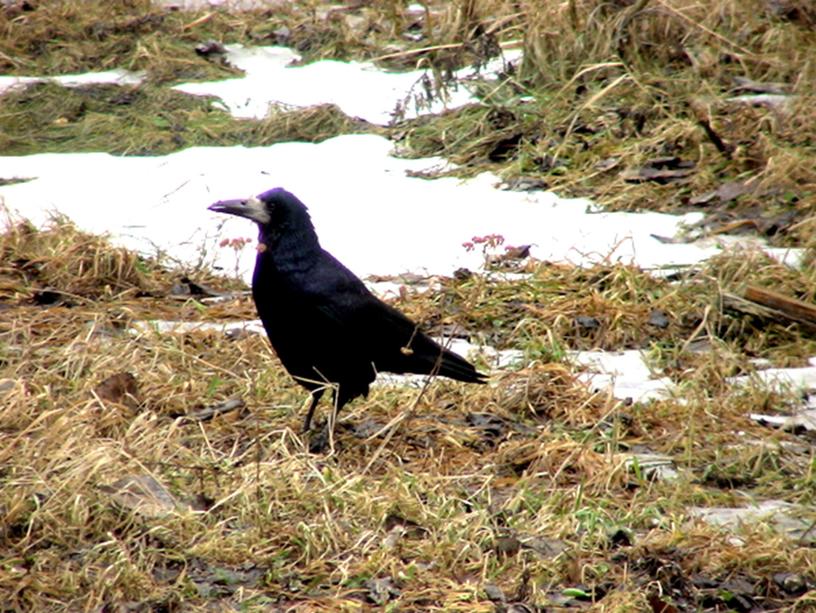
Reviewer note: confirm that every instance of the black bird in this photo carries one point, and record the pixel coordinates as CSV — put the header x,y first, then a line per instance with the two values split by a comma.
x,y
322,321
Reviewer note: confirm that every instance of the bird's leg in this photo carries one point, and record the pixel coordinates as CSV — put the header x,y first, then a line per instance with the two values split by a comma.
x,y
324,439
337,398
307,423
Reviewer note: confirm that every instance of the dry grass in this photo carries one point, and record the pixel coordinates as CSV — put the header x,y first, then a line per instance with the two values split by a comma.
x,y
521,486
148,120
116,495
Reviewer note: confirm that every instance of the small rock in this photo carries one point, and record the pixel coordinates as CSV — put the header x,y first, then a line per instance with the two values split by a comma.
x,y
494,593
142,494
210,47
6,385
585,322
792,583
658,319
282,35
546,548
366,428
507,545
381,591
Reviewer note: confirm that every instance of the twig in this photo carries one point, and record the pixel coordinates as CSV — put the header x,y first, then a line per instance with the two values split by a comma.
x,y
198,22
762,302
410,52
208,413
715,138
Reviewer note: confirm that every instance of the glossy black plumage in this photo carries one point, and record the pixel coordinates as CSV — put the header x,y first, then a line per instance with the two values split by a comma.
x,y
324,324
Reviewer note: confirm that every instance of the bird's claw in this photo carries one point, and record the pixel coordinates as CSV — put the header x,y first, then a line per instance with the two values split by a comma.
x,y
319,441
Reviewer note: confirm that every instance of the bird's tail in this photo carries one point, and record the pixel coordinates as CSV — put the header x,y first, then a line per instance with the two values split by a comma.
x,y
435,359
456,367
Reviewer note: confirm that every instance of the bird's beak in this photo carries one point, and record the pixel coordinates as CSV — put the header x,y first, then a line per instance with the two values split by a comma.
x,y
251,208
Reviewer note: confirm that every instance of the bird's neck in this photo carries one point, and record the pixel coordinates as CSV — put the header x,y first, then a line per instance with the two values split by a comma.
x,y
287,251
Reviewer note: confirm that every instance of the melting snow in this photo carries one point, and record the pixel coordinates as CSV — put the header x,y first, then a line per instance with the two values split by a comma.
x,y
360,89
115,77
798,378
792,520
368,211
624,372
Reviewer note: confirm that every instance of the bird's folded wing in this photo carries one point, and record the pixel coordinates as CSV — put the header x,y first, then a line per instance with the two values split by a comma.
x,y
382,335
373,331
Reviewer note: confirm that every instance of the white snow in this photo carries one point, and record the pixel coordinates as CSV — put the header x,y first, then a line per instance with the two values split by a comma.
x,y
624,372
366,210
164,326
360,89
786,518
803,379
115,77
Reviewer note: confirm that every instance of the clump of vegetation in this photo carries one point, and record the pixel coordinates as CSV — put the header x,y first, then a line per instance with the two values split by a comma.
x,y
148,120
63,257
662,106
64,37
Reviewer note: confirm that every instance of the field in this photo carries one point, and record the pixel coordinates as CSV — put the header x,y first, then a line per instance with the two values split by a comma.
x,y
151,470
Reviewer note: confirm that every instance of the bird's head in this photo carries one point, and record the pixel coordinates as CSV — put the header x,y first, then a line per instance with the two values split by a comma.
x,y
276,211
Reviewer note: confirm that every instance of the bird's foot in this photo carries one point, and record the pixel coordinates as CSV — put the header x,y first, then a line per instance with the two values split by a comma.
x,y
319,440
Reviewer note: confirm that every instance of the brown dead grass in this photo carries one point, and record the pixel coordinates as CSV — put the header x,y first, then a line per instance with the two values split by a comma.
x,y
518,484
